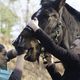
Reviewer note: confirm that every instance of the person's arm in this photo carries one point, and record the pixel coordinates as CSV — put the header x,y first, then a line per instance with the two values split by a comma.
x,y
16,75
50,46
49,64
57,51
17,72
55,75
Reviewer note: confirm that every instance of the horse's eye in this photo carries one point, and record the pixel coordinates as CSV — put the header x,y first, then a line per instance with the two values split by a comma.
x,y
46,16
55,16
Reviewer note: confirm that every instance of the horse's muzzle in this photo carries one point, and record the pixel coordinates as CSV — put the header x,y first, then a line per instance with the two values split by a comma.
x,y
22,42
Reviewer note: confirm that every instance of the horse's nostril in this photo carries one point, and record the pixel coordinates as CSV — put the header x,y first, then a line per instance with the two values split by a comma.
x,y
45,62
30,58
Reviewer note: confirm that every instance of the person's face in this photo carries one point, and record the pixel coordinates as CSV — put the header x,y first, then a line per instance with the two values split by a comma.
x,y
3,61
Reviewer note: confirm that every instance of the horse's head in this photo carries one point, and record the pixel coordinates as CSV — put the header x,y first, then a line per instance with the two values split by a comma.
x,y
25,43
49,20
49,16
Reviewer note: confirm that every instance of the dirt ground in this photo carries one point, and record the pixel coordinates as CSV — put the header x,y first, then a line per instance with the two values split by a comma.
x,y
32,71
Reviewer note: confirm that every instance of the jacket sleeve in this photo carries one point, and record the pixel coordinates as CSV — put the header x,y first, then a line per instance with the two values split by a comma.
x,y
66,56
55,75
16,75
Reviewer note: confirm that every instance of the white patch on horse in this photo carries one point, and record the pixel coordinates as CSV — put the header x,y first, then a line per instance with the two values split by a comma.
x,y
52,0
77,42
38,13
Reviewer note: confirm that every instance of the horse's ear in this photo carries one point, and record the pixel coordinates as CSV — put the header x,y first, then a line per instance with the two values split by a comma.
x,y
58,4
44,1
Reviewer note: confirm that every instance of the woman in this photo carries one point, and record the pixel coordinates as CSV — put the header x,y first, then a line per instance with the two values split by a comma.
x,y
7,74
69,59
4,72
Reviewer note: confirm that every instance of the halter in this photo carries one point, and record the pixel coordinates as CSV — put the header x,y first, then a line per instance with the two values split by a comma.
x,y
58,32
59,29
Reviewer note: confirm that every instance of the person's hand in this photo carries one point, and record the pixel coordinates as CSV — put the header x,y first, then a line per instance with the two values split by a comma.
x,y
48,60
33,24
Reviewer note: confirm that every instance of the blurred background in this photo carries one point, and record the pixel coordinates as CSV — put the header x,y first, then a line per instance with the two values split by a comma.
x,y
14,15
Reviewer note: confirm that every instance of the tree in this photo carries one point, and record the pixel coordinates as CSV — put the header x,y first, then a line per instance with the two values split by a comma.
x,y
7,19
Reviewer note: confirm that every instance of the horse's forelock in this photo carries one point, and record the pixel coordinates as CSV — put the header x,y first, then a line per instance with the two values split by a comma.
x,y
46,1
38,13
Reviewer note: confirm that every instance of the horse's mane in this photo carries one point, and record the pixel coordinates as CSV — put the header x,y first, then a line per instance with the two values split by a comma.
x,y
73,11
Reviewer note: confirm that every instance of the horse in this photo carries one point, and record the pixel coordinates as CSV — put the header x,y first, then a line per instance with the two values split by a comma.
x,y
60,21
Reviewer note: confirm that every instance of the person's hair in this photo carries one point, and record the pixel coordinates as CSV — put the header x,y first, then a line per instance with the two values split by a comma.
x,y
1,47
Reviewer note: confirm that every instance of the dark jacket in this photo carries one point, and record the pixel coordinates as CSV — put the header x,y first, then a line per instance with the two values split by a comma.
x,y
70,60
55,75
16,75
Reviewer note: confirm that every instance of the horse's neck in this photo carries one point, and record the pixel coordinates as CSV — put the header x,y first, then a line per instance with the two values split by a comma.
x,y
68,18
71,24
73,12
